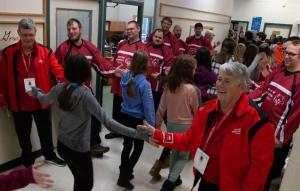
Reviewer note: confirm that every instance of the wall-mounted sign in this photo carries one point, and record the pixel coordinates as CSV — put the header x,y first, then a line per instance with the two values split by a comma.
x,y
256,23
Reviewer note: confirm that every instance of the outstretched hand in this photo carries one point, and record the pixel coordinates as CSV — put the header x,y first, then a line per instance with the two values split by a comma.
x,y
150,130
42,179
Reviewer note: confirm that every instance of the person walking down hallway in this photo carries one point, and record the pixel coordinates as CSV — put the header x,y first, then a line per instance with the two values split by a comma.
x,y
23,65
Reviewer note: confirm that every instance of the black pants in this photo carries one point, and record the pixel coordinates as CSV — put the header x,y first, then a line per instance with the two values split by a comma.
x,y
81,166
156,99
116,110
23,124
280,155
95,131
206,186
128,158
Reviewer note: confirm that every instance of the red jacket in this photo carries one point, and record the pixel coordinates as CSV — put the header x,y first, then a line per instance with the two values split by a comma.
x,y
45,64
100,64
194,44
159,58
182,46
244,162
280,102
16,179
123,56
169,40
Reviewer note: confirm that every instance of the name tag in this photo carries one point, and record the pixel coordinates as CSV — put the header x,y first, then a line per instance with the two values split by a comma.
x,y
200,161
28,84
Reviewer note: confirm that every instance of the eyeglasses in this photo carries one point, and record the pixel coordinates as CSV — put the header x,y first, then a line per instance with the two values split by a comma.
x,y
290,53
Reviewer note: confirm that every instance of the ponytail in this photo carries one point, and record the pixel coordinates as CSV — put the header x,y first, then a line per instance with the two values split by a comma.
x,y
131,88
64,100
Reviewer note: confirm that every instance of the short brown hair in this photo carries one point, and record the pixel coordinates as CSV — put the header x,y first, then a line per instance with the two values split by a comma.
x,y
72,20
135,22
167,19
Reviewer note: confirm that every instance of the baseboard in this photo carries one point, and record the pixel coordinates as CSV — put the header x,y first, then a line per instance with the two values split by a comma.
x,y
16,162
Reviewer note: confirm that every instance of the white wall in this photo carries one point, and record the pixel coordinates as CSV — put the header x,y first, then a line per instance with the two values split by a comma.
x,y
215,6
71,4
271,11
126,12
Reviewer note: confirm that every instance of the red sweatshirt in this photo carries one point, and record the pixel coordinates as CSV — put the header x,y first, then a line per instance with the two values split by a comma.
x,y
160,57
182,46
280,102
123,58
244,163
16,179
100,64
43,65
194,44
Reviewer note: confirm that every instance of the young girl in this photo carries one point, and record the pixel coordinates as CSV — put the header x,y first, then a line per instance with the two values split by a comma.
x,y
179,102
137,106
76,105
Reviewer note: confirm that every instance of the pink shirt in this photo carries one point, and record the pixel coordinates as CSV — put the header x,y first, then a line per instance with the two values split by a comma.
x,y
179,107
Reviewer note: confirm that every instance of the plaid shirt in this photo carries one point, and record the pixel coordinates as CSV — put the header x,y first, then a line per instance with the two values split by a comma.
x,y
215,67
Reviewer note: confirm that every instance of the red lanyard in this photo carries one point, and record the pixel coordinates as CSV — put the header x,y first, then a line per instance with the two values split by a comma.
x,y
27,67
213,130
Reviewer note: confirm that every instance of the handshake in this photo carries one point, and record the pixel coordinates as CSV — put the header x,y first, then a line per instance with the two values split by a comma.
x,y
146,130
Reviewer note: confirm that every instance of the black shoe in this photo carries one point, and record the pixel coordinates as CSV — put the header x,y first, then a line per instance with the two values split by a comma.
x,y
96,154
125,184
178,181
131,176
112,135
170,186
56,161
100,148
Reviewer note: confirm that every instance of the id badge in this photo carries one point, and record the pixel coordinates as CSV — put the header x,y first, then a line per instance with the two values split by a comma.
x,y
29,83
200,161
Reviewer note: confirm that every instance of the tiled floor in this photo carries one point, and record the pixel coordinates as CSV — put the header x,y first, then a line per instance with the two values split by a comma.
x,y
106,169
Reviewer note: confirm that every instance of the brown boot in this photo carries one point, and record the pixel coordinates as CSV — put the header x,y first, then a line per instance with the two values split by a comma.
x,y
166,163
154,172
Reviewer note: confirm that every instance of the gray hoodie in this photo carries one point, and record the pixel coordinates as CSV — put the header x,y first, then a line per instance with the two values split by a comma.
x,y
74,126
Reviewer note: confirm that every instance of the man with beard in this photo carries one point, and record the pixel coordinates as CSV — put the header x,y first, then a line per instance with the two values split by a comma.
x,y
195,41
160,57
279,97
181,44
169,39
76,45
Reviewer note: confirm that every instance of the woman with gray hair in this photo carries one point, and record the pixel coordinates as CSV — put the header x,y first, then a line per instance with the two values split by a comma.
x,y
226,137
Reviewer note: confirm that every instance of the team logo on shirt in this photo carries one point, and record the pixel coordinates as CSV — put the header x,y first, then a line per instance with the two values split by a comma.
x,y
168,138
278,100
128,61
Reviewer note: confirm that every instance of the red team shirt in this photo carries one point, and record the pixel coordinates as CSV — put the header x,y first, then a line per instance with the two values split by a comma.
x,y
123,58
160,57
194,44
280,102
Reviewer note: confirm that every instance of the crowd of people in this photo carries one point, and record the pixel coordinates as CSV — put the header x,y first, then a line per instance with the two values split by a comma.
x,y
233,111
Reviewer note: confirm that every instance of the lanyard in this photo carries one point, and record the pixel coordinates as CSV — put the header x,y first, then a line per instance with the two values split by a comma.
x,y
27,67
214,129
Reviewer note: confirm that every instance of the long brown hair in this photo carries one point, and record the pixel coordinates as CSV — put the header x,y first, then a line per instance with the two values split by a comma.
x,y
139,65
181,71
77,70
227,51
